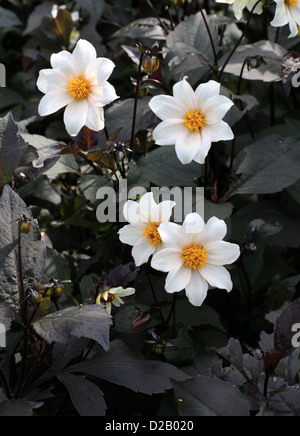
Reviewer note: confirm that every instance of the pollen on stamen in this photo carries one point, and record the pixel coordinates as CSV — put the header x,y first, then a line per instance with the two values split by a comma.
x,y
152,234
195,257
79,88
194,121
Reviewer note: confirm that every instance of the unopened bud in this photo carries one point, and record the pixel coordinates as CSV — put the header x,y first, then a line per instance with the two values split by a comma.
x,y
151,64
143,91
25,226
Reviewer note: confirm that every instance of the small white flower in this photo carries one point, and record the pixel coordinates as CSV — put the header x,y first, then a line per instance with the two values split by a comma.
x,y
78,81
142,233
240,5
114,296
194,258
287,12
192,120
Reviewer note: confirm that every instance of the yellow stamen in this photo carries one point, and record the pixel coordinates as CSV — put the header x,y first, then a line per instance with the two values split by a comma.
x,y
194,121
79,88
152,234
195,257
291,3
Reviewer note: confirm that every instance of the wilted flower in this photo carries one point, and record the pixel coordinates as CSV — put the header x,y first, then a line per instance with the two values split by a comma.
x,y
192,120
142,233
287,12
78,81
194,255
113,296
240,5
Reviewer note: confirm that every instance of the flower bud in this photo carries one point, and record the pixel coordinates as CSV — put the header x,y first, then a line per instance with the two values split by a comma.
x,y
57,290
151,64
25,226
143,91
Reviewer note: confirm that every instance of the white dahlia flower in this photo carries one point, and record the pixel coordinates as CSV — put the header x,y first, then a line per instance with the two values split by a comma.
x,y
194,255
79,82
142,233
192,120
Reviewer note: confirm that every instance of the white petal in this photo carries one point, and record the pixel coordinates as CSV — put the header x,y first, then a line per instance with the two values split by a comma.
x,y
295,13
131,212
108,307
215,230
125,292
184,94
132,235
177,280
166,107
196,290
193,226
53,101
141,253
84,54
281,17
187,146
219,132
222,253
105,68
75,116
65,63
149,209
216,108
292,23
167,132
166,210
103,95
204,147
206,91
172,235
50,80
238,7
99,70
95,118
167,259
217,277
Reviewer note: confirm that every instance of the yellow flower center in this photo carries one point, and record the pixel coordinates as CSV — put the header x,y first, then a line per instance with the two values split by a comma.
x,y
291,3
152,234
195,257
79,88
194,121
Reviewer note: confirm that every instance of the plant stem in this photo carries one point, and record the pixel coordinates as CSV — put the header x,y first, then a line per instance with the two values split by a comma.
x,y
153,294
173,313
239,41
135,104
208,32
163,25
23,304
36,366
